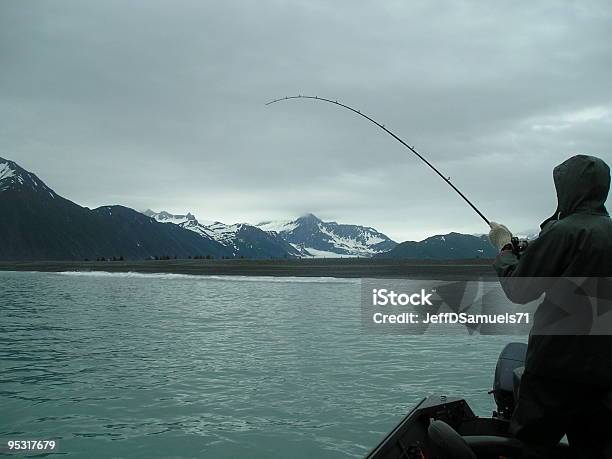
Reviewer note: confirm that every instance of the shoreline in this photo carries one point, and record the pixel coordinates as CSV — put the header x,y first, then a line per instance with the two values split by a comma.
x,y
330,267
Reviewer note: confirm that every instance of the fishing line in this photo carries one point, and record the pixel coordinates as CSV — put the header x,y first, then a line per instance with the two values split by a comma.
x,y
382,126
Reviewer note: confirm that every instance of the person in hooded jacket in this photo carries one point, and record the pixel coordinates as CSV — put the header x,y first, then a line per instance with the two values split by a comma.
x,y
566,387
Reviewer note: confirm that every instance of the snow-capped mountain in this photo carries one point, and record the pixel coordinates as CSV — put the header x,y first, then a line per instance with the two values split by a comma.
x,y
307,236
165,217
315,238
242,239
14,177
38,224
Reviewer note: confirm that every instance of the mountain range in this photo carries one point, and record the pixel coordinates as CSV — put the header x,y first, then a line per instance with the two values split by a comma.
x,y
38,224
239,239
306,236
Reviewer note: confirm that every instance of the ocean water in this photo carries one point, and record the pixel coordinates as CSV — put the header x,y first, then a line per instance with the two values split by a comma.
x,y
173,366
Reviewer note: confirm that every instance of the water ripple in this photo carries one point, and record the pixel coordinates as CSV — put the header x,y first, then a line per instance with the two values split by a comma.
x,y
188,366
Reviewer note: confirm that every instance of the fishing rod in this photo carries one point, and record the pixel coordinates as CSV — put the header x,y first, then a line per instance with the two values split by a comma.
x,y
382,126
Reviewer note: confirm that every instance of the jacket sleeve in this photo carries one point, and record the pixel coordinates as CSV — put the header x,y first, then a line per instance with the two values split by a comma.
x,y
527,278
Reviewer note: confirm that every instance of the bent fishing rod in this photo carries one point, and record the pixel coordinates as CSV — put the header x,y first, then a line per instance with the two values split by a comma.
x,y
382,126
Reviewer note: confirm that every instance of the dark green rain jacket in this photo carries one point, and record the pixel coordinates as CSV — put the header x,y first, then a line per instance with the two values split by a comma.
x,y
575,242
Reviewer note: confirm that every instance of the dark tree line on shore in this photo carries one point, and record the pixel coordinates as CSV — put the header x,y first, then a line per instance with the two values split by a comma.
x,y
168,257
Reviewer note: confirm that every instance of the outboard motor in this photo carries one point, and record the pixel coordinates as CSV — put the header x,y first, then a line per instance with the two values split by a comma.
x,y
509,368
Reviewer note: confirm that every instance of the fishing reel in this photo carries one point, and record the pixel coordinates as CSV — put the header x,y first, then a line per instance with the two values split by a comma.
x,y
518,246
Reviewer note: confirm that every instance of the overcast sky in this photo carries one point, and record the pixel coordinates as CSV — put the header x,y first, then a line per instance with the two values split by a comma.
x,y
160,104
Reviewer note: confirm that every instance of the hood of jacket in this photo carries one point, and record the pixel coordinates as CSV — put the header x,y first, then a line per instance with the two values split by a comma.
x,y
582,183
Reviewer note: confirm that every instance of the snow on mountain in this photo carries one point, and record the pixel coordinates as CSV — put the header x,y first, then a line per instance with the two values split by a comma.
x,y
277,226
311,252
214,230
165,217
241,238
38,224
14,177
225,234
306,236
318,239
6,171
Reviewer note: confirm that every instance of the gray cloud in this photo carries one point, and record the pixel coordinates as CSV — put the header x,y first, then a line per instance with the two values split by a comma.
x,y
161,104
